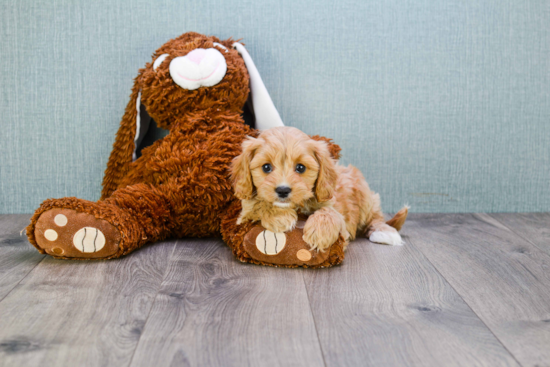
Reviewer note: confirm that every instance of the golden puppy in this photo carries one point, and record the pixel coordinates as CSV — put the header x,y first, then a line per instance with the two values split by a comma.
x,y
284,170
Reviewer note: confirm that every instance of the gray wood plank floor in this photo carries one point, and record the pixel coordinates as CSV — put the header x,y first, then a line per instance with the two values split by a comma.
x,y
17,256
465,290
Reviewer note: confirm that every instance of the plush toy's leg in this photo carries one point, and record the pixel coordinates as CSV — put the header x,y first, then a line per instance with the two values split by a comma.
x,y
252,243
72,228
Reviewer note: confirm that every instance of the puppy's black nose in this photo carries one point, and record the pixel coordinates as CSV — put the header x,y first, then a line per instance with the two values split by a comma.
x,y
283,191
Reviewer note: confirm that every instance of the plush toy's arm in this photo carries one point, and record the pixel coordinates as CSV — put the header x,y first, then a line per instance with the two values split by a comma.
x,y
123,148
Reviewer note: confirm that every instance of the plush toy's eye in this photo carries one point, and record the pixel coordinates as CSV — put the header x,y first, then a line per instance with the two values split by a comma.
x,y
220,45
300,168
159,61
267,168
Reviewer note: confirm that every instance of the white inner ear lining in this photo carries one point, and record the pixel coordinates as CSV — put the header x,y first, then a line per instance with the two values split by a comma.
x,y
220,45
138,124
159,61
263,108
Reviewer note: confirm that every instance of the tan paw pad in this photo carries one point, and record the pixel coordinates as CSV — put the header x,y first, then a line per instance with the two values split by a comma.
x,y
57,251
270,243
50,234
89,239
303,255
60,220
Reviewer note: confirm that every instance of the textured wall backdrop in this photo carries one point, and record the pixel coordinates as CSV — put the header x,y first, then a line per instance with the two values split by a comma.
x,y
443,104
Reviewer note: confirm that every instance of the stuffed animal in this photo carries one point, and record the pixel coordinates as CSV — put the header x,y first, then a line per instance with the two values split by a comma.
x,y
196,87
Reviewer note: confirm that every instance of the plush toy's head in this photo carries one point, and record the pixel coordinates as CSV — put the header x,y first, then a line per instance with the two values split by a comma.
x,y
189,78
195,72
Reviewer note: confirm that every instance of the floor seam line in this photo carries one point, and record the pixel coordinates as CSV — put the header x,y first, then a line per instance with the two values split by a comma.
x,y
20,280
154,301
516,233
314,322
465,302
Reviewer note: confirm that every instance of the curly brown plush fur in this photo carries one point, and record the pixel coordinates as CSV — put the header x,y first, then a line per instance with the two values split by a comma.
x,y
181,185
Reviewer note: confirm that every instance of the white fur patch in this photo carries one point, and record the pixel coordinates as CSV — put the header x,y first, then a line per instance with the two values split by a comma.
x,y
386,238
281,205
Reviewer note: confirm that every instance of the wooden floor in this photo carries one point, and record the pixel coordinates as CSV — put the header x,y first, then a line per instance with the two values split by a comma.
x,y
465,290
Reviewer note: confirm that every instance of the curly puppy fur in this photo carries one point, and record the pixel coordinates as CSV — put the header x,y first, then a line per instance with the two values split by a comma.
x,y
284,171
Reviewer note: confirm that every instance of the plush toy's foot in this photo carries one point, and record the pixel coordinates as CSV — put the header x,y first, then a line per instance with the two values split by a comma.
x,y
289,249
67,233
251,243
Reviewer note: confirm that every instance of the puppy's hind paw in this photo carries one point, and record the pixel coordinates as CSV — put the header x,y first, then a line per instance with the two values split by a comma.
x,y
386,238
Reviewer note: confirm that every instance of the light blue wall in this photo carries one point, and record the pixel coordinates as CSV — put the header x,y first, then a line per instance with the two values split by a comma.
x,y
444,105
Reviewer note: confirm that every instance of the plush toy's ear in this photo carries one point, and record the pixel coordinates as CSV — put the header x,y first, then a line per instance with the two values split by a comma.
x,y
123,147
265,113
123,152
240,170
327,176
143,120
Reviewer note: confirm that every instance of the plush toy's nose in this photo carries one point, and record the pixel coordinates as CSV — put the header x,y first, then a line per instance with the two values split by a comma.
x,y
197,55
199,68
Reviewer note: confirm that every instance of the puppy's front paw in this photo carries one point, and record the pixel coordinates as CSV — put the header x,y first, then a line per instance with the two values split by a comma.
x,y
279,224
320,232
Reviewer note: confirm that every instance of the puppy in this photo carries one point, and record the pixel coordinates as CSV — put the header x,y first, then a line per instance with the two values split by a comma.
x,y
284,171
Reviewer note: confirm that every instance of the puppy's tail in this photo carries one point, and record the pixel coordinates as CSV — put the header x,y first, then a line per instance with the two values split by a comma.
x,y
399,219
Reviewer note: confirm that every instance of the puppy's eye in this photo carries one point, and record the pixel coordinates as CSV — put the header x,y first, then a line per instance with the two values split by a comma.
x,y
300,168
267,168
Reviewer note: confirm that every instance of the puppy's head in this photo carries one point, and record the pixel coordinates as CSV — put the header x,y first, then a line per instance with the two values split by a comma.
x,y
285,167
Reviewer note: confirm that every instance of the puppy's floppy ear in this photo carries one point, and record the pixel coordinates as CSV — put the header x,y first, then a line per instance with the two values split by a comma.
x,y
327,176
240,169
333,148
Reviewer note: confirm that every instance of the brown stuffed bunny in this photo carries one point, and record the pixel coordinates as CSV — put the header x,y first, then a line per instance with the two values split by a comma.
x,y
180,186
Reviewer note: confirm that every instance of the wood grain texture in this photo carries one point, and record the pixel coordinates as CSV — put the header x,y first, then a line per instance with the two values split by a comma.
x,y
466,290
504,278
17,256
533,227
388,306
81,313
214,311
